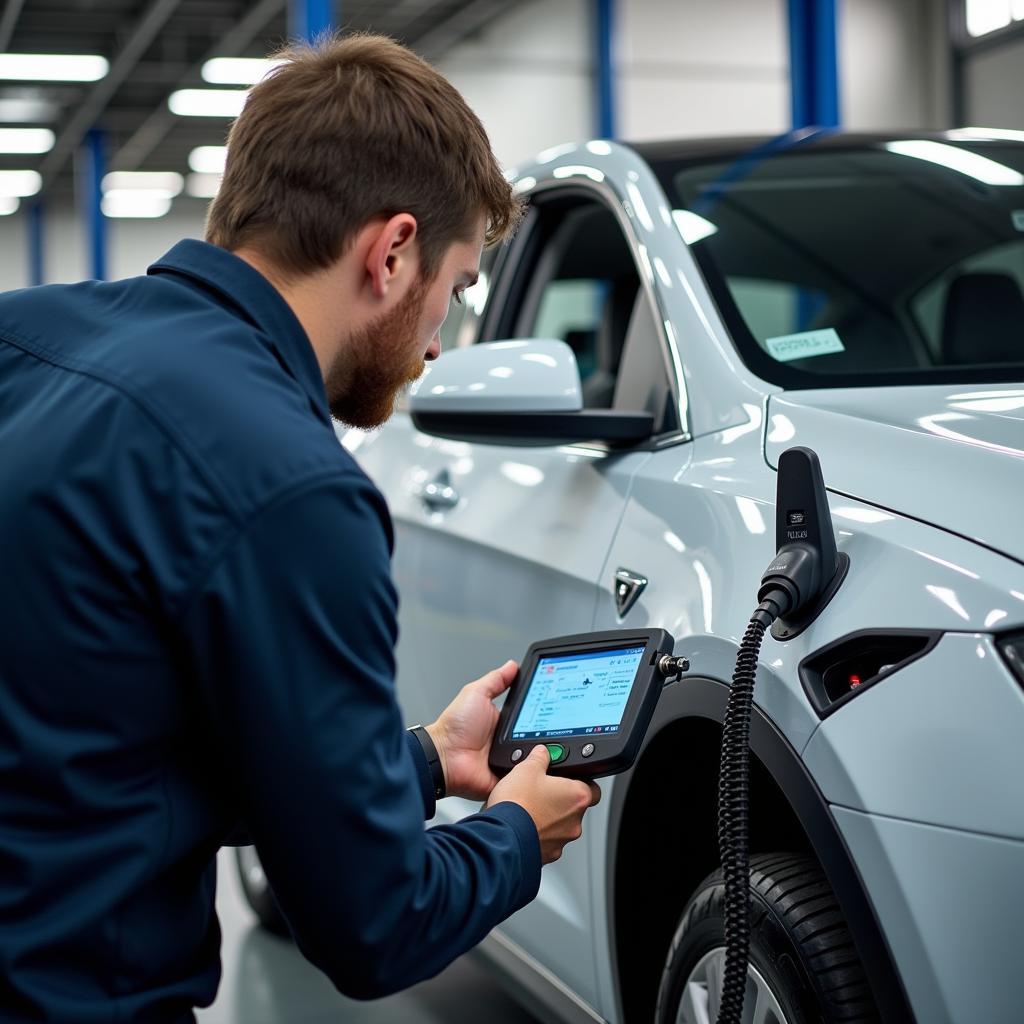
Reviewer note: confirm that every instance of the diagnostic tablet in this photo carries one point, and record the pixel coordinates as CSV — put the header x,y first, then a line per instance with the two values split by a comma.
x,y
588,698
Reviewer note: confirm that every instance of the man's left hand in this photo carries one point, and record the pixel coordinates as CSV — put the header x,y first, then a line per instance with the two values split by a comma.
x,y
464,731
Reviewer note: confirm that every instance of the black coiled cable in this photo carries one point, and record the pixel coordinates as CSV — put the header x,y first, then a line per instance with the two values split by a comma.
x,y
733,808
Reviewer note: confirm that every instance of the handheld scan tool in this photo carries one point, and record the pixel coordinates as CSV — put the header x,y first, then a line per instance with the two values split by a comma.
x,y
588,698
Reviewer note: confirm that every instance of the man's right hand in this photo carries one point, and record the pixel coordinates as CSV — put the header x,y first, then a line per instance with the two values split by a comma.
x,y
556,805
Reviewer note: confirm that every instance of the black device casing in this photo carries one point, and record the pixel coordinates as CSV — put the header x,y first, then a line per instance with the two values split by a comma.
x,y
614,752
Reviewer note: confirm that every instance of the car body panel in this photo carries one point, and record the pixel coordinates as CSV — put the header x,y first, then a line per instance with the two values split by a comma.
x,y
942,447
951,906
518,559
531,542
937,742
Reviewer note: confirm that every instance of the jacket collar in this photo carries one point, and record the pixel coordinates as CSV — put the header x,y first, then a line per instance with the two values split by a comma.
x,y
259,302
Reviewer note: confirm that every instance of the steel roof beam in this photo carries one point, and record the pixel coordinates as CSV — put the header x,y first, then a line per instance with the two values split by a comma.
x,y
153,130
7,22
142,35
460,24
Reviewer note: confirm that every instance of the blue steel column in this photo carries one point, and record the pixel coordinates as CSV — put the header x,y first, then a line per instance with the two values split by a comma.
x,y
91,198
814,95
308,18
36,274
604,23
814,74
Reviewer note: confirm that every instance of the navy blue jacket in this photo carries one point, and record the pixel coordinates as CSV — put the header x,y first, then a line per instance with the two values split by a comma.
x,y
197,623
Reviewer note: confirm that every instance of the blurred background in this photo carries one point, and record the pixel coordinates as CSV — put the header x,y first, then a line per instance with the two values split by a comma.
x,y
136,86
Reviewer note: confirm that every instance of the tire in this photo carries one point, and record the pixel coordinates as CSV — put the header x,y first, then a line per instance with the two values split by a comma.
x,y
257,890
804,968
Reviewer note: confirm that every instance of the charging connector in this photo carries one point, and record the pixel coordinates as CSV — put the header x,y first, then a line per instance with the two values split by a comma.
x,y
806,571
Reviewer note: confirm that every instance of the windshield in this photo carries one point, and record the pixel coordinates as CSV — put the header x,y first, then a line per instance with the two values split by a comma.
x,y
881,262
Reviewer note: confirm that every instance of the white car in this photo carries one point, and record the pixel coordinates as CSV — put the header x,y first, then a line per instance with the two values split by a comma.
x,y
723,301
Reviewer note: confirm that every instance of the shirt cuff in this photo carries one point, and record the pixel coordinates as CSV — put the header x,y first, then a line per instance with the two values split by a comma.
x,y
426,781
518,819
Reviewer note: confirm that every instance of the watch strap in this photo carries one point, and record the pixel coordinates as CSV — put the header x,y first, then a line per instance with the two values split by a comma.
x,y
433,760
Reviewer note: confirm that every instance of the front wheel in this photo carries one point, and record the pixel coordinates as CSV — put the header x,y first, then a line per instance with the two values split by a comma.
x,y
803,968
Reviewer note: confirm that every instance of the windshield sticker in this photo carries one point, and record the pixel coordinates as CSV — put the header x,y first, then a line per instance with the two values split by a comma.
x,y
804,345
1017,216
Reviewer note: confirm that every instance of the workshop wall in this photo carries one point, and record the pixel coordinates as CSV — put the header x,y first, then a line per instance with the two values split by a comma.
x,y
529,76
683,68
894,64
993,85
693,68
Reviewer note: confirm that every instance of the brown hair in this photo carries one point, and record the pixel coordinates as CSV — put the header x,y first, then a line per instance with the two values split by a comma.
x,y
347,129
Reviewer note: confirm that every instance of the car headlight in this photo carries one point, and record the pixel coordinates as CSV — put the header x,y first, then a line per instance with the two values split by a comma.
x,y
1012,649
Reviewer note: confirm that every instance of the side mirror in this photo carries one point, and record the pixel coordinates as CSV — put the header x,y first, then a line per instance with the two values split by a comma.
x,y
516,392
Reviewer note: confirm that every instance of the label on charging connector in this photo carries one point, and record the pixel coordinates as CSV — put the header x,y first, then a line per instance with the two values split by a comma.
x,y
804,345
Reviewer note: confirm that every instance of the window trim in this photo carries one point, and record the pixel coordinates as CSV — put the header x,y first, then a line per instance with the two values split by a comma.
x,y
511,281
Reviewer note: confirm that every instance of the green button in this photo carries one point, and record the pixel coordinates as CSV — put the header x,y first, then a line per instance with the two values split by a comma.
x,y
557,752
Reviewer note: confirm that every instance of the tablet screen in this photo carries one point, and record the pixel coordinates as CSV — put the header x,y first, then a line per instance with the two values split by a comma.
x,y
574,695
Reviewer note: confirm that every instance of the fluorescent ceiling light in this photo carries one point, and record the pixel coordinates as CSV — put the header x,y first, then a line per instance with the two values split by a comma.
x,y
26,110
134,202
961,160
20,183
8,204
984,16
981,134
208,159
164,183
204,186
692,226
207,102
237,70
26,140
52,67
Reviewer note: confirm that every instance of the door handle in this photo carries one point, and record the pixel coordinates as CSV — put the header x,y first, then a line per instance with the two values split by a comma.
x,y
439,494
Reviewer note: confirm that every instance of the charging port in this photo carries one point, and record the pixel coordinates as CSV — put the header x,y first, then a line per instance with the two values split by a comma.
x,y
840,671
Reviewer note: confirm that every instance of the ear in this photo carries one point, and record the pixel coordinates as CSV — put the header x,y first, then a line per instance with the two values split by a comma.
x,y
391,256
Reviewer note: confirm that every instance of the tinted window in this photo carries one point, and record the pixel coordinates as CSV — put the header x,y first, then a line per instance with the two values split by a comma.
x,y
886,262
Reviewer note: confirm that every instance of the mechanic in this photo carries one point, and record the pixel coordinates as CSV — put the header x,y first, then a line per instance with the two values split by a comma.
x,y
198,618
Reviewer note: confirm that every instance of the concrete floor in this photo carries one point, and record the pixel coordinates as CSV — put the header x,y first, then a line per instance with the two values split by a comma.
x,y
267,981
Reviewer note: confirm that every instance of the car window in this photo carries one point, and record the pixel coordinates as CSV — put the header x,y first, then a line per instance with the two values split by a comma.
x,y
572,310
579,283
941,310
854,263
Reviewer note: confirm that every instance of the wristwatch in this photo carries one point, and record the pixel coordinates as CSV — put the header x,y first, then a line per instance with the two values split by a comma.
x,y
433,760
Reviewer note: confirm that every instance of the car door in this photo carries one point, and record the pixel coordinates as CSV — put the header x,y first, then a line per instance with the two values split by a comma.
x,y
508,544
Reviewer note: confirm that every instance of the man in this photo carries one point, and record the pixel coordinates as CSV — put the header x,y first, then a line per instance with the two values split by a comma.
x,y
198,619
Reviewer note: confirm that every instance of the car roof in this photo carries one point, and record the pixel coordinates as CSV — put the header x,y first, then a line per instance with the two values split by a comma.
x,y
816,140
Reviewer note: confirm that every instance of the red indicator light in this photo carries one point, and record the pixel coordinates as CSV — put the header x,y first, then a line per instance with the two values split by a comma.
x,y
855,681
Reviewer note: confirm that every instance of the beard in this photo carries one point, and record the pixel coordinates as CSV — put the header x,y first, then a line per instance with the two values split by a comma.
x,y
367,376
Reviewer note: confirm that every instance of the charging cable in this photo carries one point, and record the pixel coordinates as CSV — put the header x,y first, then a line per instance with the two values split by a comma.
x,y
734,806
804,567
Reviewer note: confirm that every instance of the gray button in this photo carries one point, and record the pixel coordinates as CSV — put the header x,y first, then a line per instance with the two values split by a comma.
x,y
588,749
516,755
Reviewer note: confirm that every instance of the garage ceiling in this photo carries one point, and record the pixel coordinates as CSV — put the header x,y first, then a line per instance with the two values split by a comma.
x,y
157,46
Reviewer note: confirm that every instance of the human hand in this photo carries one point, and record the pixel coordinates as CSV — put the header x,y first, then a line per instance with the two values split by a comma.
x,y
463,734
556,805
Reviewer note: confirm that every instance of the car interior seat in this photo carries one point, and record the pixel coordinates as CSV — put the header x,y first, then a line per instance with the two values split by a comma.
x,y
983,320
